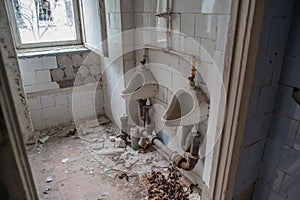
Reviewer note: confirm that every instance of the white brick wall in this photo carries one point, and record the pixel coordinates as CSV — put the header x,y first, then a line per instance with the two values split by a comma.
x,y
278,175
57,108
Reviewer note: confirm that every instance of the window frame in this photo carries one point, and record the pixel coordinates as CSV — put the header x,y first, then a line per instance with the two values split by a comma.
x,y
53,44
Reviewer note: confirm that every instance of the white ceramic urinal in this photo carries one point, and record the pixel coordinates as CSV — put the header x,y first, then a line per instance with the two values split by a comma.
x,y
142,85
187,107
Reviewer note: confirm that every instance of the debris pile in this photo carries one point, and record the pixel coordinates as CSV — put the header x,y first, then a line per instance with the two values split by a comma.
x,y
166,187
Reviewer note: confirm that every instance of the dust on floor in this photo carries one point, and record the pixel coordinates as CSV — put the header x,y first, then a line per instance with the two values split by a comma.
x,y
86,164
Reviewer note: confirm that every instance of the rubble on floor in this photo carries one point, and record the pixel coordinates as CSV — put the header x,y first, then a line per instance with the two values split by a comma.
x,y
93,153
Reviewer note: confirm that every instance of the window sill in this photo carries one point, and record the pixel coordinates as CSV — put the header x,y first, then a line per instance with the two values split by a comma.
x,y
46,51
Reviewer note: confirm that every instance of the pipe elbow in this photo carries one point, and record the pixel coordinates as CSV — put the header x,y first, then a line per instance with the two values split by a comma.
x,y
187,164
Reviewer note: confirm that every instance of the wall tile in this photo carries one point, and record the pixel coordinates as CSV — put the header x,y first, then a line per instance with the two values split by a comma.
x,y
290,160
283,99
187,6
297,141
278,38
290,71
209,6
34,104
274,195
61,99
279,8
265,67
252,131
49,113
261,191
294,110
271,160
224,7
242,174
188,24
43,76
267,99
223,21
276,183
253,103
47,101
49,62
283,129
290,186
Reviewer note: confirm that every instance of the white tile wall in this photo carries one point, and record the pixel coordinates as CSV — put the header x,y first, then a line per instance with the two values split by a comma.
x,y
188,24
223,21
280,154
61,99
43,76
187,6
47,101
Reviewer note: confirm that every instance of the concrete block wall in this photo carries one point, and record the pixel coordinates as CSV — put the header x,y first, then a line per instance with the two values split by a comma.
x,y
36,74
61,107
279,175
258,150
49,81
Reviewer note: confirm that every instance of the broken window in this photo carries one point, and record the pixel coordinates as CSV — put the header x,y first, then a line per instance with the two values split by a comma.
x,y
50,23
45,22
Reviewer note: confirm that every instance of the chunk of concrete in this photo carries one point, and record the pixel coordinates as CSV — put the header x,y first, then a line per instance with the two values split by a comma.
x,y
70,74
83,71
76,60
95,70
64,61
57,74
111,151
89,79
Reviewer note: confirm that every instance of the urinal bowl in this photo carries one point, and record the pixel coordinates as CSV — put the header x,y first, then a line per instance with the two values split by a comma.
x,y
142,85
187,107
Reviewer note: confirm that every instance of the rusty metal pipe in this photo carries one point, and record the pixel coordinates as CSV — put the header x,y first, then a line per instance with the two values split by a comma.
x,y
189,161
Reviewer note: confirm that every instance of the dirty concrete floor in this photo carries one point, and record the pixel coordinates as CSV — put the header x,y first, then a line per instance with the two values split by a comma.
x,y
88,166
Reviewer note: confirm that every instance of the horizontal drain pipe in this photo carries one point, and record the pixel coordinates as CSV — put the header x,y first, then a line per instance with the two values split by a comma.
x,y
187,162
190,143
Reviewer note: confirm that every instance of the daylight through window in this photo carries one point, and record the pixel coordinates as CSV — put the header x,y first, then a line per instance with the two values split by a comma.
x,y
42,21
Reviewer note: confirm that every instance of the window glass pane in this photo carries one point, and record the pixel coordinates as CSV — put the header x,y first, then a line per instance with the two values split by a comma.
x,y
45,20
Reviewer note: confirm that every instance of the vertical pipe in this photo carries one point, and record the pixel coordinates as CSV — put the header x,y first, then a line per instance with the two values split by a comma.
x,y
168,33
